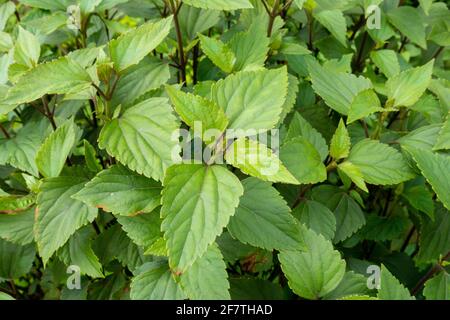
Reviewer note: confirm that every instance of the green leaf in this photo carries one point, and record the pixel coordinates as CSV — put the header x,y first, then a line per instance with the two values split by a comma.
x,y
78,251
252,100
219,4
59,76
90,155
142,138
303,161
316,217
27,49
438,287
56,148
6,10
384,229
263,219
121,191
352,284
293,89
48,4
15,260
207,278
379,163
386,60
198,202
18,227
300,127
419,196
410,23
257,160
250,48
192,109
405,88
143,229
130,48
218,52
364,104
349,218
155,282
338,89
354,173
434,168
340,143
58,215
443,141
434,238
315,272
391,288
4,296
334,21
136,81
422,138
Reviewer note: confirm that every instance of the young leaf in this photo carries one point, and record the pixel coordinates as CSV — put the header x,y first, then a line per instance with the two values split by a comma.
x,y
340,143
443,141
78,251
18,227
333,21
218,52
379,163
15,260
315,272
364,104
438,287
58,216
143,229
56,148
141,138
59,76
121,191
300,127
207,279
154,281
257,160
391,288
219,4
192,109
409,22
354,173
303,161
252,100
434,168
27,49
130,48
316,217
338,89
349,218
405,88
263,219
198,202
386,60
250,48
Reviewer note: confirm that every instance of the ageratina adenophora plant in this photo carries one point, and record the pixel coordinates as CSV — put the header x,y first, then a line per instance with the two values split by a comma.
x,y
217,149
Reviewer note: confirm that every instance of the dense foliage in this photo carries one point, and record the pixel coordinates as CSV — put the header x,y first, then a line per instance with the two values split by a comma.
x,y
133,164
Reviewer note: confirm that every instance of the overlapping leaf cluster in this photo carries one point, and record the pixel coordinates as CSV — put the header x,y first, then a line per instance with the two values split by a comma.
x,y
96,177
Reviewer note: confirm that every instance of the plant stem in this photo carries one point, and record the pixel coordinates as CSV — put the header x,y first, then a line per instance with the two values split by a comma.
x,y
48,113
310,31
429,274
181,55
5,132
195,64
272,17
408,238
437,53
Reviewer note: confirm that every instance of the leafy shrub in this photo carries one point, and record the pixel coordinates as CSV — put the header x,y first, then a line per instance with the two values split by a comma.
x,y
134,165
